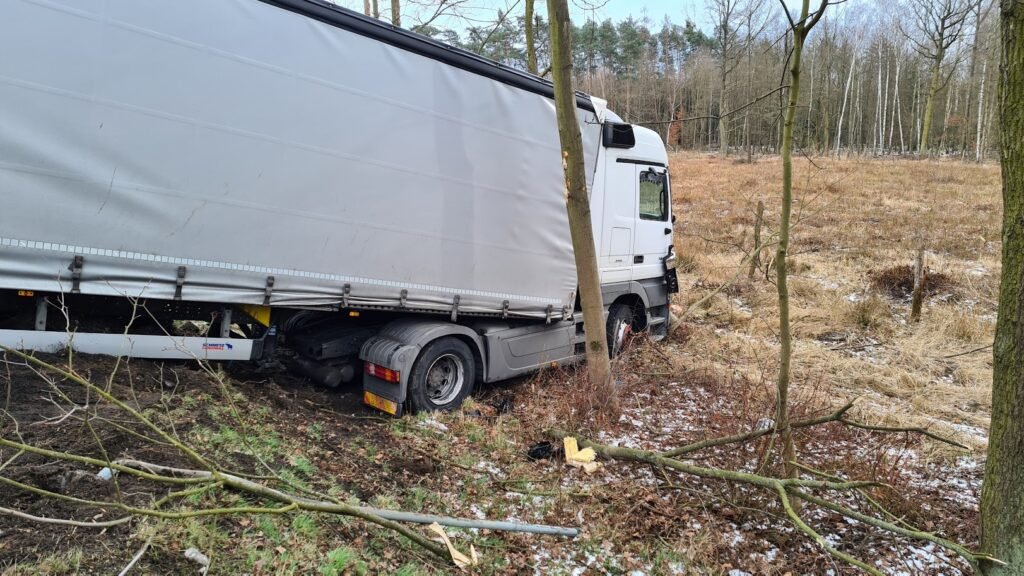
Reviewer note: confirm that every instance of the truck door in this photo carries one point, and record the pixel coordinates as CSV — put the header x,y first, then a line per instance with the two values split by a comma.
x,y
653,222
616,256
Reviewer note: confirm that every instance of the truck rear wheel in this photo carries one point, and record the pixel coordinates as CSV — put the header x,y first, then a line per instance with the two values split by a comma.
x,y
620,326
442,376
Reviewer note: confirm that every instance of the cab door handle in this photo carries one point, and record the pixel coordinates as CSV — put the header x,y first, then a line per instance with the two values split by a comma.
x,y
638,259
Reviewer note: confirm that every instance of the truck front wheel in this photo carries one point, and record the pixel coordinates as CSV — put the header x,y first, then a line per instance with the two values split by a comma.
x,y
442,376
620,326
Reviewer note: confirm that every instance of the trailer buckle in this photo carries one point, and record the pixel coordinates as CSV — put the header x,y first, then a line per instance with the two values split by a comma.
x,y
179,282
268,290
76,273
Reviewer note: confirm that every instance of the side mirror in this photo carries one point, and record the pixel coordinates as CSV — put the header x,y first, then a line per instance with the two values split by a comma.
x,y
673,218
617,135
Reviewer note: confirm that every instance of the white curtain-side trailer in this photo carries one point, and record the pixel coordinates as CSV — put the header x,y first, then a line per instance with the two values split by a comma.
x,y
392,208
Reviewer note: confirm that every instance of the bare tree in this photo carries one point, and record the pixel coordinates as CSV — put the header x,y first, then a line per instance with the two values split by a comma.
x,y
435,11
396,12
737,25
934,27
799,29
578,206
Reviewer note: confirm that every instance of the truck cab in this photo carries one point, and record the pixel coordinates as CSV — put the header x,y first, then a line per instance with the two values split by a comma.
x,y
631,211
631,204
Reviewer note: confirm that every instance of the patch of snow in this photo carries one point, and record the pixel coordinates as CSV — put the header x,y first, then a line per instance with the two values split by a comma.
x,y
974,432
432,424
488,467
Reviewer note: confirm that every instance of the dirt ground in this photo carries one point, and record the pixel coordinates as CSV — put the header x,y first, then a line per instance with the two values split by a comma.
x,y
860,222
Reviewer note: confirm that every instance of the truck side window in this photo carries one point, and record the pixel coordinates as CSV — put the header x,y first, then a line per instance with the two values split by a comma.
x,y
653,196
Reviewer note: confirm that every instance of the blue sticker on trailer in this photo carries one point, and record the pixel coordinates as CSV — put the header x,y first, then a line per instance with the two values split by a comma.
x,y
215,347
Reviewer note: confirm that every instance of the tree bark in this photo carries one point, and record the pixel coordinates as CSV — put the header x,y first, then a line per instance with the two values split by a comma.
x,y
1002,494
376,9
396,12
531,45
578,207
366,7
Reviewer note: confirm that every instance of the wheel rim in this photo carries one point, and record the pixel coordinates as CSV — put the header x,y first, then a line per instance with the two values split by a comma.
x,y
444,379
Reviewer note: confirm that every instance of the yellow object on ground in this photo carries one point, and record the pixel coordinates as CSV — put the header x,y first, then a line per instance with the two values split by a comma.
x,y
460,559
579,458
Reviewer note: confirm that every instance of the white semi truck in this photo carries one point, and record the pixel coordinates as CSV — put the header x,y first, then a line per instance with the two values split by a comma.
x,y
391,209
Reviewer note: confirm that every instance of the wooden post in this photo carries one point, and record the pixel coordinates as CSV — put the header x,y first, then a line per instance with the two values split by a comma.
x,y
918,295
755,257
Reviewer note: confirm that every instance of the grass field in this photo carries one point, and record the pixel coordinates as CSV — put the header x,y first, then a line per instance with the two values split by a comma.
x,y
859,223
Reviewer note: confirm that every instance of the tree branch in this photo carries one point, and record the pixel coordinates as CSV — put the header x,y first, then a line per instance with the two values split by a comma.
x,y
747,436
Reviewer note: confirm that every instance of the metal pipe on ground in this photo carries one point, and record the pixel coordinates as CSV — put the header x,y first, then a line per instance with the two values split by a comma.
x,y
399,516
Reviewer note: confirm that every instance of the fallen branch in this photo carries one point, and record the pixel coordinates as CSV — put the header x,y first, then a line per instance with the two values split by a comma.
x,y
137,557
747,436
913,429
837,416
621,453
785,488
803,527
64,521
302,503
972,351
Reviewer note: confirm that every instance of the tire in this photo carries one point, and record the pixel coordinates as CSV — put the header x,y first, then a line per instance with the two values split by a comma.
x,y
443,376
619,327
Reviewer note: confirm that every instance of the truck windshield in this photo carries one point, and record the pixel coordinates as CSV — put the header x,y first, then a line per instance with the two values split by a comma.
x,y
653,196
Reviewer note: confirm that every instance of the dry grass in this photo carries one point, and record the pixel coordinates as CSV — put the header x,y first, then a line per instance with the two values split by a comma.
x,y
859,223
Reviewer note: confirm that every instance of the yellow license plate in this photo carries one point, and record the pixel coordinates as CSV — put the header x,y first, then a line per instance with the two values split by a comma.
x,y
371,399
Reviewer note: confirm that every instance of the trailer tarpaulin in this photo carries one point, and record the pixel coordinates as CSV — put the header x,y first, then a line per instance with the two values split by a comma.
x,y
256,153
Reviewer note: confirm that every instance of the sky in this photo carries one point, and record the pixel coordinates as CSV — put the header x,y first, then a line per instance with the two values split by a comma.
x,y
483,11
678,11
